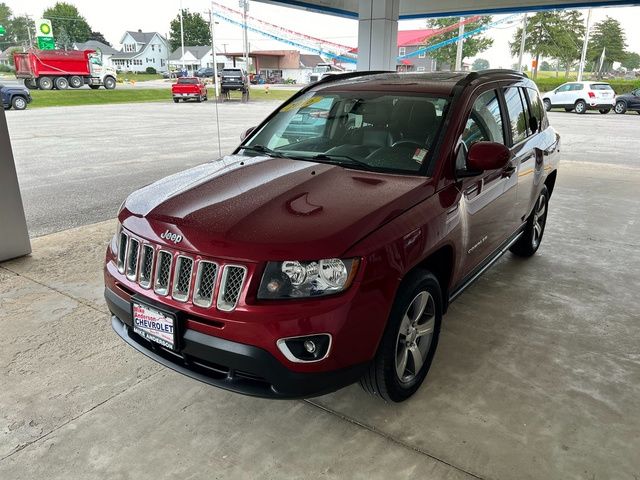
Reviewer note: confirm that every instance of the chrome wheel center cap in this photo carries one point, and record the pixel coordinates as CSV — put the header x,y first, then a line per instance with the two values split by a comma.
x,y
412,334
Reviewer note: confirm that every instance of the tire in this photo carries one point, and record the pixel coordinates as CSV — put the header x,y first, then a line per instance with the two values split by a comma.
x,y
76,81
61,83
31,83
530,240
568,109
176,100
45,83
620,108
199,99
409,337
19,103
604,111
109,83
94,87
580,107
547,104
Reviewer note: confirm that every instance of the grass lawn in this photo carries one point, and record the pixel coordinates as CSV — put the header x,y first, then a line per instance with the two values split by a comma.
x,y
139,77
67,98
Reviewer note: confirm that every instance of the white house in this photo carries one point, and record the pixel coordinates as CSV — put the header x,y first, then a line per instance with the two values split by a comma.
x,y
106,51
141,50
195,57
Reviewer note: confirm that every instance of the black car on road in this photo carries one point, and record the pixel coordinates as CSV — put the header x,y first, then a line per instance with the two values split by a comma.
x,y
206,72
15,96
628,101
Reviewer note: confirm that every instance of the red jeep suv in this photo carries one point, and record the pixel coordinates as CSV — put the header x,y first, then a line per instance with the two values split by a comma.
x,y
326,249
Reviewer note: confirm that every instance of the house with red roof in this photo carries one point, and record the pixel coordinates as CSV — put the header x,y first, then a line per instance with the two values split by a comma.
x,y
409,41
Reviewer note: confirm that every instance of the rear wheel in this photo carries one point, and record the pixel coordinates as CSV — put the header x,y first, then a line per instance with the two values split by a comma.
x,y
76,81
604,111
409,341
31,83
547,104
568,109
580,107
62,83
45,83
199,99
19,103
530,239
620,108
176,100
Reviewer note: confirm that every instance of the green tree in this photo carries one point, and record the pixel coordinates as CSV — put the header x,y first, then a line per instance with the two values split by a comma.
x,y
20,28
98,37
631,61
538,40
5,21
196,30
471,47
545,66
607,35
65,19
480,64
566,39
63,40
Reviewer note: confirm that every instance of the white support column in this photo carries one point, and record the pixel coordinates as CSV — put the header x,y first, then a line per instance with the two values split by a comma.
x,y
14,237
378,34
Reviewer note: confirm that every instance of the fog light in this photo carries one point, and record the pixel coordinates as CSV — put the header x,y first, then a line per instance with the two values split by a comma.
x,y
309,348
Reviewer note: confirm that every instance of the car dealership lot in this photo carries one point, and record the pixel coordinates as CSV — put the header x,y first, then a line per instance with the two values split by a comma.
x,y
537,374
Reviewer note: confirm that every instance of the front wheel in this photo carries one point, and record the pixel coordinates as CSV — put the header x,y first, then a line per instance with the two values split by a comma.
x,y
604,111
620,108
109,83
547,104
19,103
580,107
409,341
531,237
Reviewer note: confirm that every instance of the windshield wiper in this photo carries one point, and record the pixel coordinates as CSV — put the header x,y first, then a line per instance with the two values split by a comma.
x,y
337,159
263,149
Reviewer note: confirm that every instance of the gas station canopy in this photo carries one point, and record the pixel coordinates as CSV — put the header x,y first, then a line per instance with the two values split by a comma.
x,y
421,9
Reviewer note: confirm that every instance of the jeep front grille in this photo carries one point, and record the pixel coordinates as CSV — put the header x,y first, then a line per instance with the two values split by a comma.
x,y
172,273
230,286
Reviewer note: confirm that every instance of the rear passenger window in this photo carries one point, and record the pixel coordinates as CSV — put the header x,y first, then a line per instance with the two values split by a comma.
x,y
485,121
517,118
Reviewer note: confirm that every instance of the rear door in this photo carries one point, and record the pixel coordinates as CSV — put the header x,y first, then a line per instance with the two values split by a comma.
x,y
635,99
603,92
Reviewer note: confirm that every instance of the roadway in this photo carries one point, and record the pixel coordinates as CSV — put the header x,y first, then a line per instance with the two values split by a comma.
x,y
77,164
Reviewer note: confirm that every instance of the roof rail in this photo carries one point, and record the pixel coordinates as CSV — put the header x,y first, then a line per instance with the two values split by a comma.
x,y
344,76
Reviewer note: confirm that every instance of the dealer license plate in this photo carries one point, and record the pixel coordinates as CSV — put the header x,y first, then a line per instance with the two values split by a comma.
x,y
154,325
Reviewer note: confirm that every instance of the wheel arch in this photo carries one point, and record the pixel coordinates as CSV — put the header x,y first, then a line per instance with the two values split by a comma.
x,y
550,181
440,262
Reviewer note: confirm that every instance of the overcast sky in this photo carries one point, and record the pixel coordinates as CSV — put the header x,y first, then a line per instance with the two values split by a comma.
x,y
114,17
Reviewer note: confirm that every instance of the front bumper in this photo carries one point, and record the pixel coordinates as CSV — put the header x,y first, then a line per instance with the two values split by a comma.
x,y
230,365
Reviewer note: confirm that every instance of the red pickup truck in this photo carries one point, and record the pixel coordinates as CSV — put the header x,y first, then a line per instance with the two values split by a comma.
x,y
189,88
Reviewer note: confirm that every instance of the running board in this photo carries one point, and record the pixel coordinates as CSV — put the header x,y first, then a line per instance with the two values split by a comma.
x,y
492,259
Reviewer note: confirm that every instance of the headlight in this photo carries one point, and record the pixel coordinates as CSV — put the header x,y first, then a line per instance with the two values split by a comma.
x,y
293,279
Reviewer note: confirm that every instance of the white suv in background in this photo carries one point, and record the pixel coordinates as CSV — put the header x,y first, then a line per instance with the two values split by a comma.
x,y
581,96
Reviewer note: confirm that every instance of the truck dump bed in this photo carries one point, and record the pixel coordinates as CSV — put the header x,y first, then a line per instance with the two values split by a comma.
x,y
52,63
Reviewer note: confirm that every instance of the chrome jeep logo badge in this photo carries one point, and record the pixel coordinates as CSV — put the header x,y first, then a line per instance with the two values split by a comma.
x,y
172,237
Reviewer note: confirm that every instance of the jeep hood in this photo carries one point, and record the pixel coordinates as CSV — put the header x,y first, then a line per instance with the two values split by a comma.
x,y
262,208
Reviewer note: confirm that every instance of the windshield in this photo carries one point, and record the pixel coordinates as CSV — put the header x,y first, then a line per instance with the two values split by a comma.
x,y
378,131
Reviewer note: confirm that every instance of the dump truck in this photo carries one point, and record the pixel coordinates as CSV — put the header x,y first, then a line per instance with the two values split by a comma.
x,y
61,69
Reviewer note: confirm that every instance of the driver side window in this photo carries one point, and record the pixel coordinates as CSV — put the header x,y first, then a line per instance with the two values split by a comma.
x,y
483,125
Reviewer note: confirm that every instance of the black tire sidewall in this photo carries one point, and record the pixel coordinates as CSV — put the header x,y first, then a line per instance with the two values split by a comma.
x,y
416,282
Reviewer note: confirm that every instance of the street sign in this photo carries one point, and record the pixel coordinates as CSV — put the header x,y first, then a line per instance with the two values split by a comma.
x,y
2,30
44,29
46,43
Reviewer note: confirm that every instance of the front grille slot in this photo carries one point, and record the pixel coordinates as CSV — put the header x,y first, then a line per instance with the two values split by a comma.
x,y
122,250
182,278
163,273
132,259
146,266
230,287
205,283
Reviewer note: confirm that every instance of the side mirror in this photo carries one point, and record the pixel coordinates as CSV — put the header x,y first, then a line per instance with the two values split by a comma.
x,y
246,133
487,156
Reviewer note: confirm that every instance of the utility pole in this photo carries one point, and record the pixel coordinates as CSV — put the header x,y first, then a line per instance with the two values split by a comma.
x,y
584,47
458,66
212,22
182,36
245,39
523,40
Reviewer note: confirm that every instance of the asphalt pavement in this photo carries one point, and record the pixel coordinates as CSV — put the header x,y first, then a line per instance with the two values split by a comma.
x,y
77,164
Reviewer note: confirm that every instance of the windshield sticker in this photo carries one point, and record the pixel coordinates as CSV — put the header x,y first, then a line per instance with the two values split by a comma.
x,y
300,104
419,155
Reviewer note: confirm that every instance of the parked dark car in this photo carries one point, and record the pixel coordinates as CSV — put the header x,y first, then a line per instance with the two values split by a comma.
x,y
16,97
204,72
628,101
327,248
234,79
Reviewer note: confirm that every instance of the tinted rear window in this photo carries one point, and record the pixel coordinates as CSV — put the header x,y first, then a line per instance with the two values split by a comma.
x,y
188,80
601,86
232,73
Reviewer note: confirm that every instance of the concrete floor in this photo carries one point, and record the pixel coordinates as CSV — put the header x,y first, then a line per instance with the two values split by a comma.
x,y
537,375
